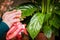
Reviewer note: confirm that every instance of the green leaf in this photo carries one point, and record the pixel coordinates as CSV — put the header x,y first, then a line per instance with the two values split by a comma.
x,y
47,31
57,11
57,8
47,16
27,9
35,24
55,22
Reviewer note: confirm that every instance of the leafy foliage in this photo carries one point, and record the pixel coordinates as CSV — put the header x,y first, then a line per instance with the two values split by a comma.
x,y
44,12
47,16
55,22
47,31
57,7
35,24
27,9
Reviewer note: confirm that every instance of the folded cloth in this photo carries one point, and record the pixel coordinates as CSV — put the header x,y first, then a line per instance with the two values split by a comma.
x,y
16,30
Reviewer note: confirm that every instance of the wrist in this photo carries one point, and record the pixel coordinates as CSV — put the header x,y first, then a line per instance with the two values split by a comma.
x,y
6,23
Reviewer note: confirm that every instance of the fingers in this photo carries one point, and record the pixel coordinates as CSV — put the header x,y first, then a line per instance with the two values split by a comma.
x,y
5,14
16,11
15,20
19,11
11,17
16,14
13,11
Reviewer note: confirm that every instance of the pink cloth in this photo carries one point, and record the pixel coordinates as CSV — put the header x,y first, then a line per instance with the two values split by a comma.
x,y
15,31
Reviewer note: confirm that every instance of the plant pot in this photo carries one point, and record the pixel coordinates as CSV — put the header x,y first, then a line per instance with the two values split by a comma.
x,y
41,36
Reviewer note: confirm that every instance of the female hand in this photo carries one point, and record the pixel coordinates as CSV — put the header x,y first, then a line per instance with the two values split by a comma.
x,y
11,17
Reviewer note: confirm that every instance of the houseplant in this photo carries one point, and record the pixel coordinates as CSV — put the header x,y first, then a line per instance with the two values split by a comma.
x,y
44,17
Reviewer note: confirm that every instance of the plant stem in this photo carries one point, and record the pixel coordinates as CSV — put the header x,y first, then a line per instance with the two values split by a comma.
x,y
42,6
45,6
52,9
48,6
